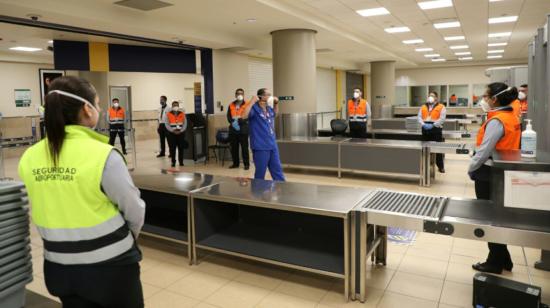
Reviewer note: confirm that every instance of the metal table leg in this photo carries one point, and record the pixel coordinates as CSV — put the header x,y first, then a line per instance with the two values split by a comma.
x,y
544,262
346,258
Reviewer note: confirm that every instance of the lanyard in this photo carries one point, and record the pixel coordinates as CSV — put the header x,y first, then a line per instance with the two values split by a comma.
x,y
266,116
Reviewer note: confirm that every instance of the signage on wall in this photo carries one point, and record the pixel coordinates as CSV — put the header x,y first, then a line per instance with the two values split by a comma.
x,y
286,98
22,97
198,95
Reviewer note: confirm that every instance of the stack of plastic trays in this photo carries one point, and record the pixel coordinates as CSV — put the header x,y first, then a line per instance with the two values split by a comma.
x,y
15,251
412,124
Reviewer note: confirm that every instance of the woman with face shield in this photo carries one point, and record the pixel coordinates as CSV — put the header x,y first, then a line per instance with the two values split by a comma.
x,y
431,117
84,204
501,131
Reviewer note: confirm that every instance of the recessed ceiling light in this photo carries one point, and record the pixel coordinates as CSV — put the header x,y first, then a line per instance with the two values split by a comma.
x,y
500,20
432,55
454,38
445,25
438,60
423,49
50,42
373,12
494,57
459,47
495,0
497,44
500,34
21,48
428,5
251,20
415,41
463,53
465,58
397,29
495,51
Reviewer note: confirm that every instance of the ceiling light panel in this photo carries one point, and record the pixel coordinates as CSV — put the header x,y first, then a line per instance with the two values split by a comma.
x,y
437,4
433,55
446,25
463,53
497,44
415,41
503,19
496,51
465,58
494,57
459,47
424,49
28,49
454,38
397,29
373,12
500,34
438,60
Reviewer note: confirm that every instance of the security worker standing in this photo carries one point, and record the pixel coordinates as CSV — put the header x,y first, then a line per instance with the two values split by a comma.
x,y
431,117
238,130
176,123
117,117
161,129
501,131
261,118
84,204
358,114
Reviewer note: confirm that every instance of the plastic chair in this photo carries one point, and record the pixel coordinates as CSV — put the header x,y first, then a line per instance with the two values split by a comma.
x,y
338,127
222,143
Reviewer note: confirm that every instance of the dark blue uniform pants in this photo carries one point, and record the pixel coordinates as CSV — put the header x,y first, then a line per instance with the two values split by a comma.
x,y
268,159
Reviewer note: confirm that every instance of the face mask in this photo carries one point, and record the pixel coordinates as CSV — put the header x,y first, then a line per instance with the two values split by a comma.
x,y
240,98
522,96
163,103
356,95
78,98
431,100
175,109
116,105
270,101
484,105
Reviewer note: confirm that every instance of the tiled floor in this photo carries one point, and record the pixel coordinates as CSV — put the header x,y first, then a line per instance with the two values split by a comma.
x,y
434,271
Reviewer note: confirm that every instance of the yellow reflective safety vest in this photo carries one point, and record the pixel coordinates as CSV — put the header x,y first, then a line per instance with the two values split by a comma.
x,y
76,220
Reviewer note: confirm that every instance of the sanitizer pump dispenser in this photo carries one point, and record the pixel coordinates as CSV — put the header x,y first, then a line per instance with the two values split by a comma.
x,y
529,141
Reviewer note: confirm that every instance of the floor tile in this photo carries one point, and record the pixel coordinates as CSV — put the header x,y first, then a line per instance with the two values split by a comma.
x,y
279,300
165,299
263,275
237,295
39,286
205,305
306,286
149,290
429,251
220,266
198,285
424,267
335,298
395,300
462,273
457,294
416,286
164,274
378,277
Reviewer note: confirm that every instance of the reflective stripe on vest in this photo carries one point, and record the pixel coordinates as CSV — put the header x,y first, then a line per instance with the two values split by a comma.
x,y
116,116
357,113
512,129
176,120
76,220
432,115
237,111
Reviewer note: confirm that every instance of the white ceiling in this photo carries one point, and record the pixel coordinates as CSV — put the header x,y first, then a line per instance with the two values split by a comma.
x,y
353,40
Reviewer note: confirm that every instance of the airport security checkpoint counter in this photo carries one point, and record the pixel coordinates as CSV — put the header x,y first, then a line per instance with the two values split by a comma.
x,y
296,225
401,134
167,203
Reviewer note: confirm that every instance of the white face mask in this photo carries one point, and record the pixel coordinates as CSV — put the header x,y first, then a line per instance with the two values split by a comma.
x,y
270,101
484,105
78,98
240,98
116,105
522,96
356,95
175,109
431,99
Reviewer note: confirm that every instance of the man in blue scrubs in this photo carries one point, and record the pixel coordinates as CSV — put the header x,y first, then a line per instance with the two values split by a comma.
x,y
261,123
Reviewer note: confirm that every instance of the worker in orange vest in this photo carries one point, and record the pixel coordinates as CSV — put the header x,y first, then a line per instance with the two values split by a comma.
x,y
522,96
238,130
176,123
117,117
358,115
501,131
453,100
431,117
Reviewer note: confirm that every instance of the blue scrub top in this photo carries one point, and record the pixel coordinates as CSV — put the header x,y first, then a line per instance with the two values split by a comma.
x,y
262,128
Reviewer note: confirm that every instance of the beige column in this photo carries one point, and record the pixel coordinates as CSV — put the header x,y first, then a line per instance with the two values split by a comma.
x,y
382,81
294,69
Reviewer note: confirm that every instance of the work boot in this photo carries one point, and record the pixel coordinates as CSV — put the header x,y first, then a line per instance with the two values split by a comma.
x,y
441,170
487,268
233,166
161,155
246,167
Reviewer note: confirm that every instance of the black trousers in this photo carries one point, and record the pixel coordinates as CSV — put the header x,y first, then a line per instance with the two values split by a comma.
x,y
95,286
358,129
161,130
498,253
435,134
176,142
239,141
114,130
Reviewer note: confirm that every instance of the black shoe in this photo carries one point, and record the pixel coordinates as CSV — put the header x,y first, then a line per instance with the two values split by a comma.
x,y
487,268
233,166
246,167
173,165
161,155
124,152
441,170
181,164
509,266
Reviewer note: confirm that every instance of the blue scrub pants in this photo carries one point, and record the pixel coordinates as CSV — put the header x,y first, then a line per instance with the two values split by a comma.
x,y
268,159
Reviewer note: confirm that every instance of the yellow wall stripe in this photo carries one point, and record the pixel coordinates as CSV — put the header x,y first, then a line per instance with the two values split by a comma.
x,y
99,56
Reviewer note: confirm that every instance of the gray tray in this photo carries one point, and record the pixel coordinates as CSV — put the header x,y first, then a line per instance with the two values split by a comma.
x,y
13,197
17,232
14,296
7,268
12,241
6,280
14,226
13,221
13,205
19,254
10,187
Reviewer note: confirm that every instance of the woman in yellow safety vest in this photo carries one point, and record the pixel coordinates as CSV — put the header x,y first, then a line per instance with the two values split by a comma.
x,y
84,204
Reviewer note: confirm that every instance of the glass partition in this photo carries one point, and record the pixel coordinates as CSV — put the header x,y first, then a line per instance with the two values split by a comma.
x,y
418,95
401,96
458,95
478,91
441,92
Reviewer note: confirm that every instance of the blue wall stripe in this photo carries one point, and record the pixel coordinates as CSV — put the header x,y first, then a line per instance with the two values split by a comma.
x,y
71,55
128,58
207,72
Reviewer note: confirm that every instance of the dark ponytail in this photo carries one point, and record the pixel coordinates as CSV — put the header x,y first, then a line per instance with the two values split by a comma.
x,y
61,110
507,95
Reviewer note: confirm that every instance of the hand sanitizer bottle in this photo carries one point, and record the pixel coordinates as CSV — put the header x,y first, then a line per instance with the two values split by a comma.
x,y
528,141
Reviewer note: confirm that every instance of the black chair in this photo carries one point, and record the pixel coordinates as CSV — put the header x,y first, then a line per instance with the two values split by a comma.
x,y
338,127
222,143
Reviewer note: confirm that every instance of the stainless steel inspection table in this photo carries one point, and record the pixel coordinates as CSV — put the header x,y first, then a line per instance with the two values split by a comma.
x,y
401,123
301,226
401,134
167,203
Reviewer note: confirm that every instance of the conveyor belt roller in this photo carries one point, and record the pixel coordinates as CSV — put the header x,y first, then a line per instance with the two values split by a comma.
x,y
414,205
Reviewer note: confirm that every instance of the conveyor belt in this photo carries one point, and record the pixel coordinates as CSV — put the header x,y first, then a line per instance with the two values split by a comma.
x,y
441,147
412,205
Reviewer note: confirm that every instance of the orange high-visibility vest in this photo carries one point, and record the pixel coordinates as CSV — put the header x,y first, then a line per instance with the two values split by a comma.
x,y
116,116
516,105
237,111
524,107
432,115
177,119
512,129
357,113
